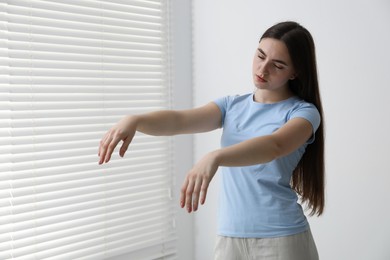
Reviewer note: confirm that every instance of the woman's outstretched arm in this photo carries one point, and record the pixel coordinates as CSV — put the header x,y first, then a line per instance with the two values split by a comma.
x,y
165,122
252,151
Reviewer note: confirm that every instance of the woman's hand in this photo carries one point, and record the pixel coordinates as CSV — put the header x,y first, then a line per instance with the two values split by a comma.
x,y
197,181
124,131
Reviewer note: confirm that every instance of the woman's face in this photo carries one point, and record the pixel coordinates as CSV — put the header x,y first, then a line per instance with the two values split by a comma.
x,y
272,65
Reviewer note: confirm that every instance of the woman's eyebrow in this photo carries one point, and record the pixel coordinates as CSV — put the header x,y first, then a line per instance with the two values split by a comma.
x,y
274,60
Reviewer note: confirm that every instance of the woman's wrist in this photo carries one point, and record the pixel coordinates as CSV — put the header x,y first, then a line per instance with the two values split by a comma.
x,y
133,120
216,156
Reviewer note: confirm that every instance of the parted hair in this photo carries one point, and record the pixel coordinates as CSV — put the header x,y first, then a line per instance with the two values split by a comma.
x,y
308,178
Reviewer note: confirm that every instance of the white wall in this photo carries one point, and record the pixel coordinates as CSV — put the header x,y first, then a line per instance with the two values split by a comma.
x,y
352,39
181,33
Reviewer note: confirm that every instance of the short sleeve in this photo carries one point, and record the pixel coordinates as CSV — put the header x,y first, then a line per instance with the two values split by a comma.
x,y
223,104
309,112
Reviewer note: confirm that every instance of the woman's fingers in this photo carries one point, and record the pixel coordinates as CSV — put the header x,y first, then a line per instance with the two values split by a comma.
x,y
103,147
203,192
196,194
110,148
188,195
196,183
124,131
125,146
107,146
101,144
193,192
200,192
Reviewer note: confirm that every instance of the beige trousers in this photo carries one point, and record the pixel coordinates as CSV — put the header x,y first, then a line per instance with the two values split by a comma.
x,y
295,247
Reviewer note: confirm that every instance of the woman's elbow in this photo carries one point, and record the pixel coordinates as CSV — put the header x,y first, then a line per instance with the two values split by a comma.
x,y
276,150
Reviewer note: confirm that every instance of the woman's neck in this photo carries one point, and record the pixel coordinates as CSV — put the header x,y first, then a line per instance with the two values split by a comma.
x,y
267,97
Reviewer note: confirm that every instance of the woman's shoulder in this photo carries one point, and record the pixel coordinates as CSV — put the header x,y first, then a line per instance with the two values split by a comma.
x,y
307,110
229,100
238,97
299,103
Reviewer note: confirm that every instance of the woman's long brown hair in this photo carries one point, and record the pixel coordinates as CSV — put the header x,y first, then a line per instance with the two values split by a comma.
x,y
308,178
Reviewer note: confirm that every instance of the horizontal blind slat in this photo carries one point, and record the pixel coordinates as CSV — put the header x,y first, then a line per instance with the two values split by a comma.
x,y
87,81
68,146
113,219
55,216
40,32
35,8
75,65
89,230
99,88
13,43
151,4
65,21
60,105
66,182
136,190
88,159
82,170
154,250
19,15
80,113
54,248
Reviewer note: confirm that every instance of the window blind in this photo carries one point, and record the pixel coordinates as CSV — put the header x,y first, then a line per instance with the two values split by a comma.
x,y
70,69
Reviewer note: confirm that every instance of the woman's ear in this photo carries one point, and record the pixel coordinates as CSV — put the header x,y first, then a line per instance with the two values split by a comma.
x,y
293,76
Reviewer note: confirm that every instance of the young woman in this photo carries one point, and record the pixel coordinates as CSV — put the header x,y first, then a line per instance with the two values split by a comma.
x,y
272,151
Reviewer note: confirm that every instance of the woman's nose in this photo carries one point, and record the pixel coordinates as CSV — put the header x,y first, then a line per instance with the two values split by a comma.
x,y
263,69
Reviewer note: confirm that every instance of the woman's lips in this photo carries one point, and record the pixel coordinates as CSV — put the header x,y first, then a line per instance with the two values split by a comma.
x,y
260,79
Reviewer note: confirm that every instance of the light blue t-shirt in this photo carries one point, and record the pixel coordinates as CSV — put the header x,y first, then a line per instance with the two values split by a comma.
x,y
257,201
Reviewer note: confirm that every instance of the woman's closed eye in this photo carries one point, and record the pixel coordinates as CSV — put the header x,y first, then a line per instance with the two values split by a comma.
x,y
278,66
